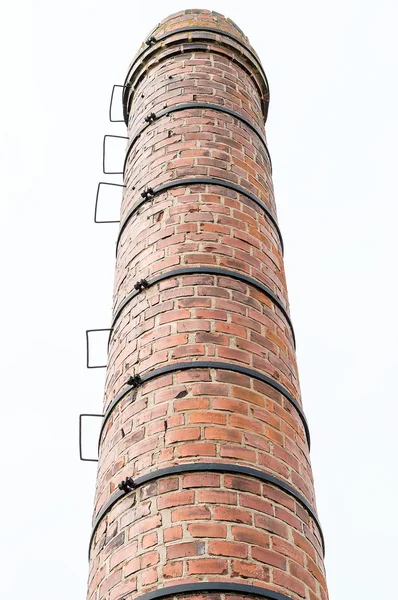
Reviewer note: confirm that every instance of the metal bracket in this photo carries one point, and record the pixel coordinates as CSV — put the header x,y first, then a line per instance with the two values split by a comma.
x,y
150,118
134,381
80,436
121,137
141,285
96,200
88,331
148,194
127,485
111,103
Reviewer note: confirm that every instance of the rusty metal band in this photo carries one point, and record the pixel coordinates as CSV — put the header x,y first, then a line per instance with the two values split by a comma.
x,y
153,117
152,41
203,587
198,181
200,364
146,283
130,485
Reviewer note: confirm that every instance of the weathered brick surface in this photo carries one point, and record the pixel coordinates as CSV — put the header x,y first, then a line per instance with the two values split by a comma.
x,y
201,316
208,527
202,526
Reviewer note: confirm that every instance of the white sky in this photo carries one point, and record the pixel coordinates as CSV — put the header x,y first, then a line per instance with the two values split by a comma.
x,y
332,132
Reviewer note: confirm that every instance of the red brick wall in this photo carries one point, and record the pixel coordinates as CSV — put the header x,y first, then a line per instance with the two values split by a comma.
x,y
198,527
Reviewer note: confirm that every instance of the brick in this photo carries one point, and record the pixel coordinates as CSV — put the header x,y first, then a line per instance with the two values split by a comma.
x,y
272,464
189,350
249,570
172,341
202,566
175,499
185,549
122,589
201,480
288,518
269,557
231,405
209,389
171,534
228,549
303,575
132,566
149,559
150,540
174,421
190,513
216,497
145,525
274,435
165,394
218,315
172,570
168,485
192,404
313,568
223,433
182,435
247,423
193,325
236,515
290,583
207,417
280,497
238,453
235,355
199,449
149,576
287,549
123,554
208,530
250,536
174,315
257,441
193,375
267,416
96,575
272,525
110,582
134,514
256,503
244,484
212,338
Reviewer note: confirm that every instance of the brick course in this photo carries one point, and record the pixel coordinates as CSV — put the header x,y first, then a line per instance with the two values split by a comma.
x,y
205,526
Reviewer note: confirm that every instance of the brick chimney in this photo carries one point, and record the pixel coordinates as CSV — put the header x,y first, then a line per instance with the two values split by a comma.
x,y
204,486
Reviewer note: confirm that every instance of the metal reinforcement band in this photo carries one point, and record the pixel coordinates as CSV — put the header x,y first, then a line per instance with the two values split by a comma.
x,y
146,283
152,40
244,589
138,380
150,193
153,117
130,484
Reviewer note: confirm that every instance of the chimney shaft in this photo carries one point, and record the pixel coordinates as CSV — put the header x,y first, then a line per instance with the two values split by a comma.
x,y
204,483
